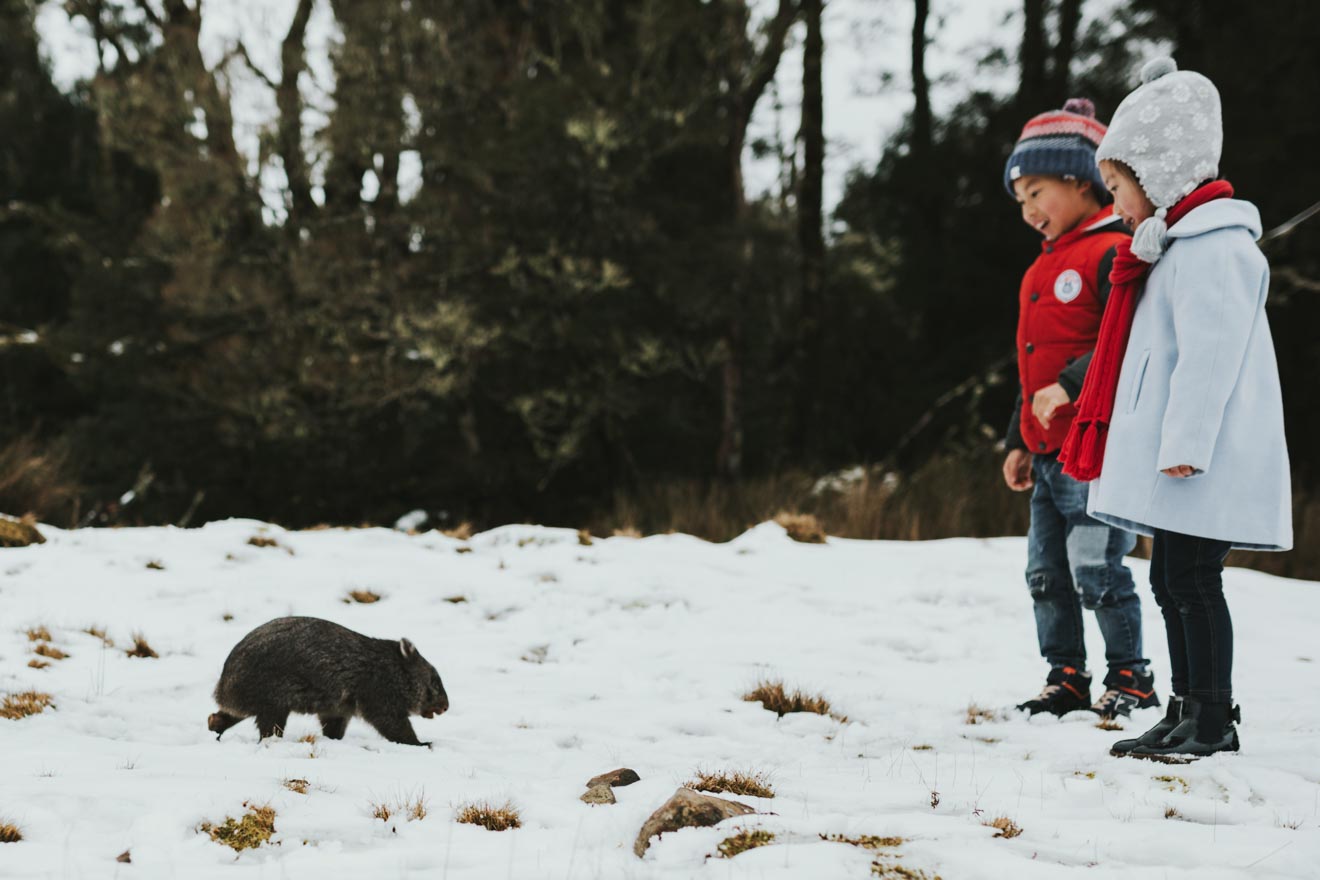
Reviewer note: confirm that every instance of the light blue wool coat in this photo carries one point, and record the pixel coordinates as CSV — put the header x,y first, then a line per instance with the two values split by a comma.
x,y
1200,386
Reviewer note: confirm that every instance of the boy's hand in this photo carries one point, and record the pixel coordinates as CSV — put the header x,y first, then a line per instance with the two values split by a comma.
x,y
1017,470
1045,401
1180,471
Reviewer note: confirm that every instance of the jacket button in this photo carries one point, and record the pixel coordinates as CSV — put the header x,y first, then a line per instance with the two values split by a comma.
x,y
1030,348
1049,248
1042,445
1035,296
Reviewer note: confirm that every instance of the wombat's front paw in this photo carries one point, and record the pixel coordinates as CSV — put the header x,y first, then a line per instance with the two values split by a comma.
x,y
428,745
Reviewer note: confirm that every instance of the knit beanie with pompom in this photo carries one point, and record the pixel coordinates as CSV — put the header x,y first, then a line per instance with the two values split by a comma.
x,y
1170,132
1059,143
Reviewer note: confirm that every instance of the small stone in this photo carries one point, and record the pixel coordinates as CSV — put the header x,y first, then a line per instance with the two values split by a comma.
x,y
687,809
125,858
599,794
615,778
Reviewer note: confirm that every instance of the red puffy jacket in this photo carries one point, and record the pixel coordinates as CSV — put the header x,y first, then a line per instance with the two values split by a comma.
x,y
1059,307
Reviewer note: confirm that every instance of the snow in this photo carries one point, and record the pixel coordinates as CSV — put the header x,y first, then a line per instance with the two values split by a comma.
x,y
637,653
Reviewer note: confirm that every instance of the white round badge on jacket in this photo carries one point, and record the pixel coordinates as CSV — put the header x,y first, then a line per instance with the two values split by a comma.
x,y
1067,286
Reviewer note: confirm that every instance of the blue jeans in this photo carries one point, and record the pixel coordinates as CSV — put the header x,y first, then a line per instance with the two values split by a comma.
x,y
1074,561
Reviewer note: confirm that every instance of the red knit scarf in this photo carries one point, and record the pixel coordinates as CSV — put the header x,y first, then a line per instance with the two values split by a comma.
x,y
1083,450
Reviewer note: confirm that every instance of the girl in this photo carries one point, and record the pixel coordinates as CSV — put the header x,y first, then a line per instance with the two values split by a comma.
x,y
1180,423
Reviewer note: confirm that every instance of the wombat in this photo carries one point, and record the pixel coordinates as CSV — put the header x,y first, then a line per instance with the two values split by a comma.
x,y
303,664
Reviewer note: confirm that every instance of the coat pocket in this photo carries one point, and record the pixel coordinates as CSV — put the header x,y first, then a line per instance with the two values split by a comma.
x,y
1137,380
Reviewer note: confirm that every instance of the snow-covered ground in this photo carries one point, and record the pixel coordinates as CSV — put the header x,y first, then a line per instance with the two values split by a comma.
x,y
567,660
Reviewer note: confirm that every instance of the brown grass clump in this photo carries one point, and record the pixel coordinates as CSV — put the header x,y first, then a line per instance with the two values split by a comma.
x,y
38,634
490,817
895,871
584,537
413,808
751,783
34,663
1108,724
309,738
980,715
99,632
865,841
801,527
9,833
156,565
1172,813
627,532
743,841
1004,827
362,597
461,532
45,650
262,541
15,706
249,832
773,696
141,648
923,747
297,786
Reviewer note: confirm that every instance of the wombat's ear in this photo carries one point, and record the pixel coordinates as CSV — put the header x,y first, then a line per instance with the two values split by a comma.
x,y
407,649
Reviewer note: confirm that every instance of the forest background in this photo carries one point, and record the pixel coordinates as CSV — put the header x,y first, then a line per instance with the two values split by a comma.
x,y
501,262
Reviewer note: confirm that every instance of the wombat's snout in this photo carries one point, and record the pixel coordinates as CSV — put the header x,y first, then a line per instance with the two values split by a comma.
x,y
439,708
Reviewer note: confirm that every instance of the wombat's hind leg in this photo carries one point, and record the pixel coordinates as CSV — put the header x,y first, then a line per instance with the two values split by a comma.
x,y
333,726
219,722
396,729
272,723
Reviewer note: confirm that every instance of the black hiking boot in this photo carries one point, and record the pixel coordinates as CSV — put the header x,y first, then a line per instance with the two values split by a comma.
x,y
1126,690
1205,728
1151,737
1065,689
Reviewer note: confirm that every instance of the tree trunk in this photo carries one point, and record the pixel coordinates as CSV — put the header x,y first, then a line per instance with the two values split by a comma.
x,y
1070,16
289,101
1031,58
811,235
749,73
921,115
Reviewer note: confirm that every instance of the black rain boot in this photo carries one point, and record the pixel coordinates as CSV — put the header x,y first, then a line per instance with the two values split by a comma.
x,y
1162,728
1205,728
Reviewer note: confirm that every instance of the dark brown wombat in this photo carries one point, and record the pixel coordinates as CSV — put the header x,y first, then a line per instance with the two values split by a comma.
x,y
313,666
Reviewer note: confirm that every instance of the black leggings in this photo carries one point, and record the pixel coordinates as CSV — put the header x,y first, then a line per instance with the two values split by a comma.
x,y
1186,575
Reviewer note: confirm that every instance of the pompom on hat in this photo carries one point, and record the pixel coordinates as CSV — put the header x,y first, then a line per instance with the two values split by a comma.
x,y
1059,143
1170,132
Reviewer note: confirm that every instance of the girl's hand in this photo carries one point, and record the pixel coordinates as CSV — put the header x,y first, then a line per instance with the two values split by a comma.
x,y
1045,401
1179,471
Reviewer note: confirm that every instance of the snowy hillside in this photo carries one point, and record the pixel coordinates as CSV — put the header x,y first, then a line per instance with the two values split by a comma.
x,y
564,660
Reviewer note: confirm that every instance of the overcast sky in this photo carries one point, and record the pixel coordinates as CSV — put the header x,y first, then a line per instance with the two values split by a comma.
x,y
865,40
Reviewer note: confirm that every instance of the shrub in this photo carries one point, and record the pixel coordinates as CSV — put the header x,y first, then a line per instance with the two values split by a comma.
x,y
490,817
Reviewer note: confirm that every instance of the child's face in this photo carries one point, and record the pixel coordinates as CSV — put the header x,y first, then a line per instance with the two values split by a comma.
x,y
1053,206
1130,201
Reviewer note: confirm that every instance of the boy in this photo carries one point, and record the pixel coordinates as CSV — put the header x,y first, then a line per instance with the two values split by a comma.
x,y
1072,560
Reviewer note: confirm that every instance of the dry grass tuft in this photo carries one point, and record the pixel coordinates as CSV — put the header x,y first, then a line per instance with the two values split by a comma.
x,y
413,808
262,541
45,650
1109,724
382,811
490,817
865,841
751,783
362,597
1172,813
627,532
980,715
38,634
743,841
9,833
456,600
801,527
99,632
34,663
895,871
249,832
15,706
156,565
584,537
297,786
309,738
461,532
773,696
1005,827
923,747
141,648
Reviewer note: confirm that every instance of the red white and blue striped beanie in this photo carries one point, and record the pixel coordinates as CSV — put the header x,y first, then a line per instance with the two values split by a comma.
x,y
1060,143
